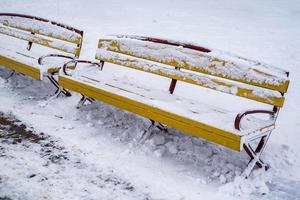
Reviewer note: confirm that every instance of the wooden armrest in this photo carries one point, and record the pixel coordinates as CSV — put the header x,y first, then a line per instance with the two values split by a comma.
x,y
240,116
53,55
100,65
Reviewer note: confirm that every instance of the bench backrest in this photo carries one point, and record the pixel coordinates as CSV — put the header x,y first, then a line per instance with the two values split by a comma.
x,y
201,67
42,31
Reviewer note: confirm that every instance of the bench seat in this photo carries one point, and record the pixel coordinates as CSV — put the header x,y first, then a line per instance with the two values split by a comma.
x,y
134,79
26,62
26,42
195,117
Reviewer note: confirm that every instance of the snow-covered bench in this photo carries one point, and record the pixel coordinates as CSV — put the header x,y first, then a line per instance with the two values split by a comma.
x,y
56,40
191,64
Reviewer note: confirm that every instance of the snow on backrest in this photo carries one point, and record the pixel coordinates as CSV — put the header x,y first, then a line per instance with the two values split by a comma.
x,y
212,63
43,27
230,87
56,35
263,84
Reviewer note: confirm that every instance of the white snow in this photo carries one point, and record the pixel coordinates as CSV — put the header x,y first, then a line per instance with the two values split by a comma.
x,y
214,62
116,82
41,27
31,59
63,46
101,141
198,79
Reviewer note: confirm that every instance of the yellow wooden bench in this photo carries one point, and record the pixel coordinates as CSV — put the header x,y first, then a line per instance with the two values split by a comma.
x,y
59,41
191,64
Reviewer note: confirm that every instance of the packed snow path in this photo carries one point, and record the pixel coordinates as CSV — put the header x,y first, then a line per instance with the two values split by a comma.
x,y
173,166
45,167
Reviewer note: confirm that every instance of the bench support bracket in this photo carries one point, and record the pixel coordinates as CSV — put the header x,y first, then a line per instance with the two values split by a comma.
x,y
83,100
173,83
13,72
148,132
255,155
29,44
59,89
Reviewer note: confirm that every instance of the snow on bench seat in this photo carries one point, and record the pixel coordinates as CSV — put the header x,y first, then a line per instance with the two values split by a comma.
x,y
191,64
200,118
239,89
16,60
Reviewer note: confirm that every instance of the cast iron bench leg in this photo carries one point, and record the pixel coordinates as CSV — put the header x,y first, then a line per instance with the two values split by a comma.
x,y
10,75
83,100
59,89
255,155
148,132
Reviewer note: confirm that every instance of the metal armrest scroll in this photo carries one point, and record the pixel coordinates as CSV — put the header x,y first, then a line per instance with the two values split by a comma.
x,y
53,55
100,65
239,117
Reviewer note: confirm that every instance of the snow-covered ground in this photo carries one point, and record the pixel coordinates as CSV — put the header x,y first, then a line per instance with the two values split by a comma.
x,y
98,156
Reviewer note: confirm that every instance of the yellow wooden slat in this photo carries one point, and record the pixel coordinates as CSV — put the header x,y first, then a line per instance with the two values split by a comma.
x,y
31,25
250,92
55,69
142,49
20,67
59,45
179,122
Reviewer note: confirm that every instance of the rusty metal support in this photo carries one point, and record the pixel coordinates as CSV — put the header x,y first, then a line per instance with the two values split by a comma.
x,y
13,72
100,65
239,117
59,89
173,83
255,155
30,44
83,100
172,86
162,127
149,131
40,60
